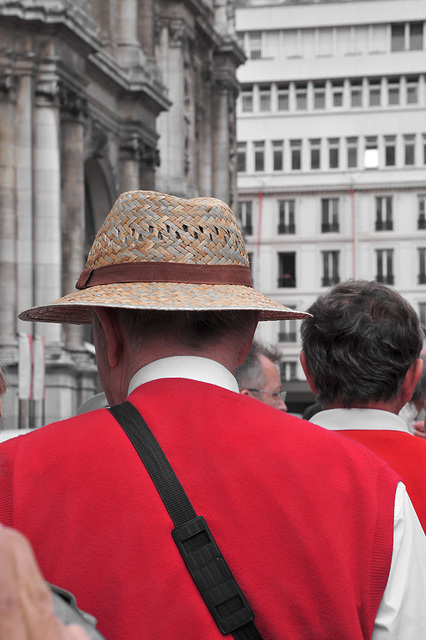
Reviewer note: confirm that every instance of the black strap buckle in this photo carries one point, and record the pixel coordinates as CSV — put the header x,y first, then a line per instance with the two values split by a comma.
x,y
212,575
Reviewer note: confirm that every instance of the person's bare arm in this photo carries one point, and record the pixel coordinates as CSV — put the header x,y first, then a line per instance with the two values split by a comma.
x,y
26,607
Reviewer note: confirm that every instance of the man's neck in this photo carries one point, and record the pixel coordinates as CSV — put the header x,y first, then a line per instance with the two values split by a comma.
x,y
392,406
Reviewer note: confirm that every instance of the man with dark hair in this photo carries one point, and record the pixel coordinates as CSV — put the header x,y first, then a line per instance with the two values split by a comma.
x,y
168,292
360,355
258,377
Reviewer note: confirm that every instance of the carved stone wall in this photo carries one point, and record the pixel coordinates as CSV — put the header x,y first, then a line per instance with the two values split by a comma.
x,y
198,55
98,97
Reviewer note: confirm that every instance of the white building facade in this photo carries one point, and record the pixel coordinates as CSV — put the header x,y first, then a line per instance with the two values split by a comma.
x,y
331,131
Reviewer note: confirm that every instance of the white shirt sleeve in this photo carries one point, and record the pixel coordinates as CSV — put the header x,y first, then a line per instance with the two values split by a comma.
x,y
402,611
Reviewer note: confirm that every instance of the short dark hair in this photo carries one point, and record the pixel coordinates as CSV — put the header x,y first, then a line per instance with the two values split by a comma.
x,y
191,328
250,373
361,341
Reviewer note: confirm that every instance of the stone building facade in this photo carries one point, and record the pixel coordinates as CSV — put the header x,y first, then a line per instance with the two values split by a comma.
x,y
98,97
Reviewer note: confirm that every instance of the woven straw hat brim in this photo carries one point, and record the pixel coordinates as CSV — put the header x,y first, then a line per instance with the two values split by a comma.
x,y
75,307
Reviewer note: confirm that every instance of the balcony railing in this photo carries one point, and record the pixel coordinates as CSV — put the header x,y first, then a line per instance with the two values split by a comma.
x,y
384,225
385,278
329,281
287,337
330,227
287,228
287,280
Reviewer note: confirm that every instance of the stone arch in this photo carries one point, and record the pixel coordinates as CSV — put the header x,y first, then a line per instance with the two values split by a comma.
x,y
100,195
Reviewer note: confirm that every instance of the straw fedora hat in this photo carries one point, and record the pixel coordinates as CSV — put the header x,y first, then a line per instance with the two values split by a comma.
x,y
157,251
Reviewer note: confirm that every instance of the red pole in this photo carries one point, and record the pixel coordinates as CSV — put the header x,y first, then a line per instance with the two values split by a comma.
x,y
259,236
352,197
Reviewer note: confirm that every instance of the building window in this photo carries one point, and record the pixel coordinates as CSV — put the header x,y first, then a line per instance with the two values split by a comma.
x,y
315,149
283,97
421,222
288,371
393,91
296,154
406,37
352,152
412,90
337,93
385,266
409,150
415,36
333,153
422,314
371,153
255,46
286,218
384,221
287,270
278,154
287,330
241,157
424,148
319,95
390,151
265,97
259,156
330,268
247,98
374,92
422,265
356,93
246,217
301,96
398,37
329,215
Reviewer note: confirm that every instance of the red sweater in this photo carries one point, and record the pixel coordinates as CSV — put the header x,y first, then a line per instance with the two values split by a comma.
x,y
405,454
303,516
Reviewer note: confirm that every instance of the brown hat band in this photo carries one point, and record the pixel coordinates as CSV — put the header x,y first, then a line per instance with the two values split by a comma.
x,y
234,274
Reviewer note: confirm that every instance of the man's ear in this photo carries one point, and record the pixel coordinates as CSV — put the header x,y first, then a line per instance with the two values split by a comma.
x,y
307,372
246,392
112,333
411,378
247,342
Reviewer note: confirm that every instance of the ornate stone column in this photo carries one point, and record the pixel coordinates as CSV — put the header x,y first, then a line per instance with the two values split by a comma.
x,y
73,113
24,180
130,154
171,176
47,228
204,125
146,27
221,147
131,54
138,162
7,217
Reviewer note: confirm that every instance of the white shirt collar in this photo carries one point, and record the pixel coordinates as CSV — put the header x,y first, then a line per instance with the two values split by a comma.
x,y
190,367
360,419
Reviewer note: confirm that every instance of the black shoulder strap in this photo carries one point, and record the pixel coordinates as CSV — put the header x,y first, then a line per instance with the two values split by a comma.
x,y
192,536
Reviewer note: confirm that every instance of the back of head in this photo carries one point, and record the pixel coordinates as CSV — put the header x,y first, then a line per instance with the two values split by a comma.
x,y
359,344
190,329
250,373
